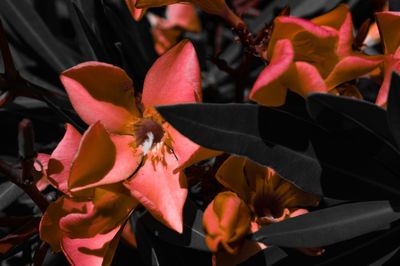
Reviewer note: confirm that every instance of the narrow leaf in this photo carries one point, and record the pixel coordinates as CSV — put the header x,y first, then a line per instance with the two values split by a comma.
x,y
393,107
330,226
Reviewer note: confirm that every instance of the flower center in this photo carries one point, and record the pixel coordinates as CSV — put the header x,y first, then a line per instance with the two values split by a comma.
x,y
148,133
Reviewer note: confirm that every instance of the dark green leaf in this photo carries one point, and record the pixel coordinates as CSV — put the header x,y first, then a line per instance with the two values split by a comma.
x,y
329,226
393,107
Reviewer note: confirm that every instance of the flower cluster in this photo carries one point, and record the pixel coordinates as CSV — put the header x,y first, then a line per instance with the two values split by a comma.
x,y
130,156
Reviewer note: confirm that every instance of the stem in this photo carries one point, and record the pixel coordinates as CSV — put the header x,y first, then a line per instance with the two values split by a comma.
x,y
40,254
15,176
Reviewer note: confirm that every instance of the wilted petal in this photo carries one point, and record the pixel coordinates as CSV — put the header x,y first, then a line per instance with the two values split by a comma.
x,y
103,159
174,77
231,175
101,92
61,159
389,24
187,152
137,13
226,221
160,190
351,67
268,89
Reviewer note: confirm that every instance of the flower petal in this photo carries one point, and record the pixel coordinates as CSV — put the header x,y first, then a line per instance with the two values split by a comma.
x,y
97,251
389,24
102,159
161,191
100,91
137,13
303,78
351,67
183,16
391,64
40,165
311,43
334,18
174,77
231,175
61,159
268,90
226,221
187,152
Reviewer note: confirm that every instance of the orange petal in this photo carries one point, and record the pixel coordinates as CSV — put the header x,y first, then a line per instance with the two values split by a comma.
x,y
231,175
101,92
351,67
339,19
102,159
303,78
268,89
61,159
389,24
160,190
174,77
311,43
333,18
187,152
226,221
183,16
137,13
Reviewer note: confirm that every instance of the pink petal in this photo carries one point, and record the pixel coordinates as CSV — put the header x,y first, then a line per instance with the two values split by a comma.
x,y
102,159
98,250
100,91
61,159
391,64
42,182
183,16
160,190
174,77
268,90
137,13
188,152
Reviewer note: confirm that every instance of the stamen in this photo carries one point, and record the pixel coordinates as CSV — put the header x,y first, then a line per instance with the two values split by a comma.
x,y
148,133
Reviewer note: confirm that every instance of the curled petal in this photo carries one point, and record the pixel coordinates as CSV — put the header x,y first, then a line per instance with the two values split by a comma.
x,y
231,175
334,18
109,208
226,221
350,68
61,159
174,77
268,89
102,159
311,43
389,24
186,151
162,191
101,92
